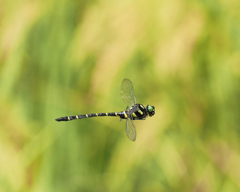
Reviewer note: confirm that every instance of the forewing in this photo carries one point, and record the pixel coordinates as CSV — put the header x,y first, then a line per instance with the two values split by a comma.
x,y
130,129
127,92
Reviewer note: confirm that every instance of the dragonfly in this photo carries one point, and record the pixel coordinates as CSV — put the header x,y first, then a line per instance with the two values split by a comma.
x,y
134,110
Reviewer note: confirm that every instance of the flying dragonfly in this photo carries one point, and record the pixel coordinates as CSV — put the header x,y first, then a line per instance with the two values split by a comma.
x,y
134,110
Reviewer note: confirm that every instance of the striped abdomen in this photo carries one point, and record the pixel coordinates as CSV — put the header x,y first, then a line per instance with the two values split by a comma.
x,y
121,114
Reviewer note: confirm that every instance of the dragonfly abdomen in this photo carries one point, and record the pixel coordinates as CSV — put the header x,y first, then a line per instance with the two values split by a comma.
x,y
121,114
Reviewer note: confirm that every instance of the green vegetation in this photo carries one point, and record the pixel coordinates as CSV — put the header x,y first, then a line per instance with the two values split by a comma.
x,y
60,58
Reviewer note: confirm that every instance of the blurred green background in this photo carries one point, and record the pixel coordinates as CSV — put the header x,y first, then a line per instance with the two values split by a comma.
x,y
60,58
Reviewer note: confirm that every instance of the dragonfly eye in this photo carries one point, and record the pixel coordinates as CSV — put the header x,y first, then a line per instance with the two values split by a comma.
x,y
151,110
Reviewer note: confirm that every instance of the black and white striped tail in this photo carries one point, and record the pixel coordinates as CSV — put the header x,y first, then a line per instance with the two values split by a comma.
x,y
121,114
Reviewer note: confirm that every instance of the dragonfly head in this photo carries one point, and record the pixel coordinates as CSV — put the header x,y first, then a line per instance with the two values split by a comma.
x,y
151,110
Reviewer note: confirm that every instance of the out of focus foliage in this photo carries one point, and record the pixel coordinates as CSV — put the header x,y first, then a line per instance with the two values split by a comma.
x,y
60,58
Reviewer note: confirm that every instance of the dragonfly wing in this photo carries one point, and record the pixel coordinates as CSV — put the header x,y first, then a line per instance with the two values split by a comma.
x,y
130,129
127,92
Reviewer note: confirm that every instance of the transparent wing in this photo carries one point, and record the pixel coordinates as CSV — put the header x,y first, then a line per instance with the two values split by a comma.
x,y
127,93
130,129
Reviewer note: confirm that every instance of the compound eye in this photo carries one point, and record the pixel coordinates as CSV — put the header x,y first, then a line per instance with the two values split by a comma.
x,y
150,109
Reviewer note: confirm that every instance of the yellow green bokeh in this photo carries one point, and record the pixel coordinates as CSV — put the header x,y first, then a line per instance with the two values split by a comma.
x,y
60,58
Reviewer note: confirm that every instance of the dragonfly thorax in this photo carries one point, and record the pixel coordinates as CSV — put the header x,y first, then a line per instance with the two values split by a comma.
x,y
137,112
